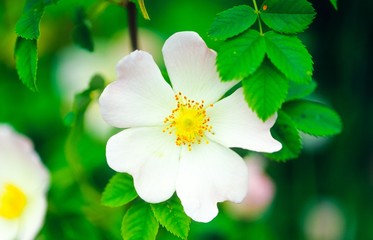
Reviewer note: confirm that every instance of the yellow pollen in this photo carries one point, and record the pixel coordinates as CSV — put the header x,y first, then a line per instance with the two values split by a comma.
x,y
188,121
12,201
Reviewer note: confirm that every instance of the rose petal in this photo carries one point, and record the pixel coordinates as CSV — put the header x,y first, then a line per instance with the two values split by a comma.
x,y
234,124
8,229
208,174
32,218
140,96
150,156
191,67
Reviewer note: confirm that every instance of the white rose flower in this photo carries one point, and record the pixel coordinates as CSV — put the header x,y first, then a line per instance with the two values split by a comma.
x,y
23,185
178,138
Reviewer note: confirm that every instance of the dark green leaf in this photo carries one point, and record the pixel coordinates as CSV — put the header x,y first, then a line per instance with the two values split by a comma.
x,y
119,191
297,91
287,16
285,131
232,22
81,32
239,57
26,61
313,118
334,3
139,223
290,56
265,90
171,215
28,24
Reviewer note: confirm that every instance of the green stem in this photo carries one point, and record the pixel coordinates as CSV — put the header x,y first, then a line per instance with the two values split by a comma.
x,y
259,20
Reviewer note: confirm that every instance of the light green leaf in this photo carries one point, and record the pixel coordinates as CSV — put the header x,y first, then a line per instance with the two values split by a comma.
x,y
26,61
139,223
313,118
285,131
171,215
265,90
28,24
232,22
287,16
297,91
81,32
334,3
241,56
119,191
290,56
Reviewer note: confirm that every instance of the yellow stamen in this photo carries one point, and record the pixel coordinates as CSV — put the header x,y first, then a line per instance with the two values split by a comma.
x,y
12,201
188,121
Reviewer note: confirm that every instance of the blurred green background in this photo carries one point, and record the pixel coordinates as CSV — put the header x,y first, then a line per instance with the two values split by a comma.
x,y
325,194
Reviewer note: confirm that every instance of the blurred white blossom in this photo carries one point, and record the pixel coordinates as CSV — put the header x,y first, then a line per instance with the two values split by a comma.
x,y
23,185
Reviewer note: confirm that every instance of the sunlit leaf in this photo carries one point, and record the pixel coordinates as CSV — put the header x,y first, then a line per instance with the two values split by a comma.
x,y
28,24
265,90
141,5
139,223
26,61
287,16
313,118
290,56
241,56
231,22
171,215
119,191
285,131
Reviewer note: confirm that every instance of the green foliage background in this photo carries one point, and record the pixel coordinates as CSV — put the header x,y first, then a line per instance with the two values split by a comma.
x,y
340,171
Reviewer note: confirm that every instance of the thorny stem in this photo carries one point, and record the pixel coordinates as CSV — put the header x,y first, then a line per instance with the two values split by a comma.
x,y
132,24
259,20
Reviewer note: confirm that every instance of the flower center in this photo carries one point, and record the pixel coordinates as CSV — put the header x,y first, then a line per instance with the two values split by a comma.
x,y
188,121
12,201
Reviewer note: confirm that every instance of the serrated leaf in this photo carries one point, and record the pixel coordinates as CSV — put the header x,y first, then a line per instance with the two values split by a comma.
x,y
290,56
81,32
297,91
334,3
265,90
232,22
285,131
26,61
239,57
119,191
313,118
28,24
171,215
139,223
287,16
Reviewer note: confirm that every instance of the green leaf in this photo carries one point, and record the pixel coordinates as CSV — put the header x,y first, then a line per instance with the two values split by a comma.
x,y
119,191
26,61
297,91
239,57
171,215
28,24
334,3
232,22
139,223
313,118
287,16
265,90
285,131
81,32
290,56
